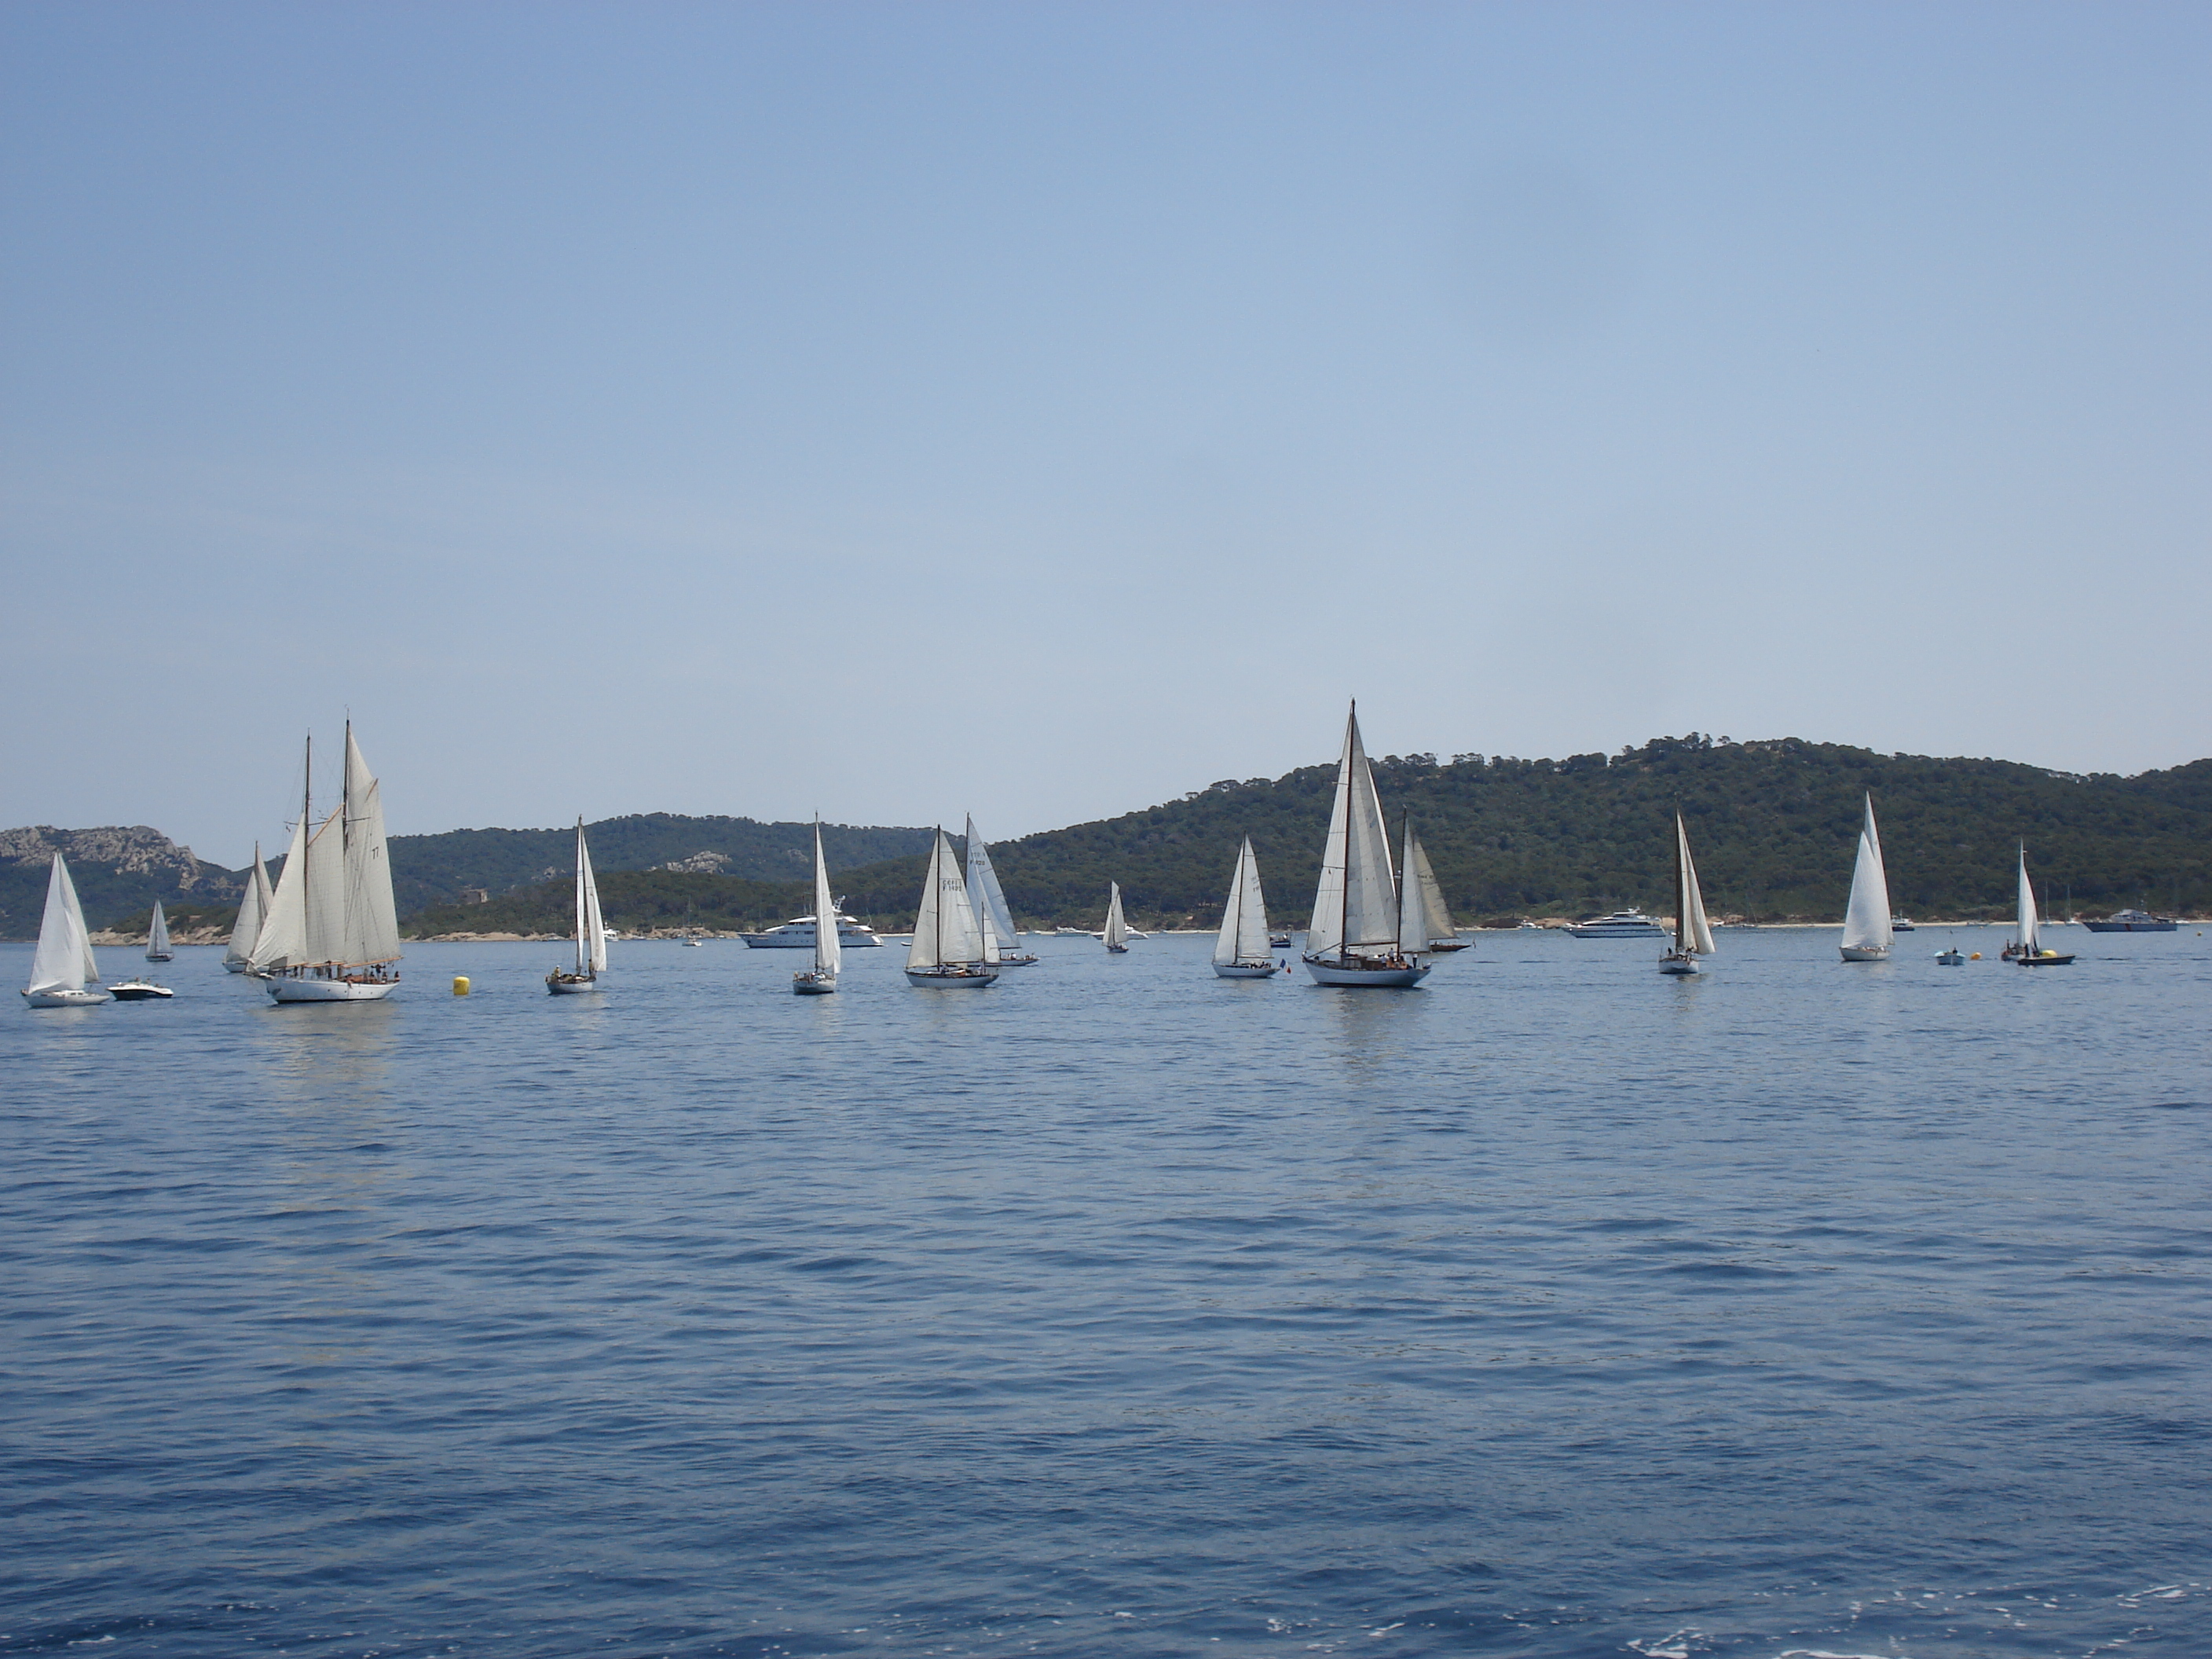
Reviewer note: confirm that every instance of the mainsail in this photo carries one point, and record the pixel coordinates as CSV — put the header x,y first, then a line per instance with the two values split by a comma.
x,y
1356,902
944,931
64,961
372,920
157,936
828,948
253,906
1432,894
2027,923
591,926
1866,918
1692,932
984,892
1243,936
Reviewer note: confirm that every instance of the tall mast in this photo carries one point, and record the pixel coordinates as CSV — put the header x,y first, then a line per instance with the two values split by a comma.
x,y
307,834
1343,897
1681,887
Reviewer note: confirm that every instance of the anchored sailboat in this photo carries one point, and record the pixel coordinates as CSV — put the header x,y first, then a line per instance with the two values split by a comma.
x,y
253,906
829,951
1244,949
590,931
1115,933
332,932
157,936
2027,950
990,901
63,973
948,945
1693,934
1866,924
1367,929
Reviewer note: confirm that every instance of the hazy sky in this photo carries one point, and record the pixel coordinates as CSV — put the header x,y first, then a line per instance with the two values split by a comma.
x,y
1042,410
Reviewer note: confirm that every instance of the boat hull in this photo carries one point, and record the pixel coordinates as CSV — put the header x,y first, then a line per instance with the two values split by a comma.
x,y
230,967
1679,964
161,956
1950,959
2132,927
1245,970
777,939
64,998
569,985
134,992
1865,952
950,979
813,984
1377,976
287,989
1021,960
2046,959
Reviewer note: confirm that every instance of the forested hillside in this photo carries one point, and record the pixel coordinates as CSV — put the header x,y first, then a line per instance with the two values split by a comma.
x,y
1773,824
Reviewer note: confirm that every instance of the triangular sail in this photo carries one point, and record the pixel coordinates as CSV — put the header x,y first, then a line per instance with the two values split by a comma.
x,y
1243,936
1356,901
253,906
828,948
282,939
1117,930
1432,895
157,935
2027,920
1415,926
984,892
63,960
371,931
944,931
323,865
1866,918
591,926
1692,932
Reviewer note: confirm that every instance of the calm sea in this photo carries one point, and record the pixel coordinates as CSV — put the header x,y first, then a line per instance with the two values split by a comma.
x,y
1555,1308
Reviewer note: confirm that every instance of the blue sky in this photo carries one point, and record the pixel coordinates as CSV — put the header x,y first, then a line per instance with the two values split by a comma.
x,y
1042,410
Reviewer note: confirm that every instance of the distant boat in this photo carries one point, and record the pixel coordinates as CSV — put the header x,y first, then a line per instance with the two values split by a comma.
x,y
1117,931
1280,941
1368,928
332,932
948,944
157,936
590,931
1949,956
990,901
1901,924
2132,921
1073,932
1693,936
1621,924
1866,924
828,954
140,990
253,906
63,971
690,937
1432,895
798,934
2027,950
1243,948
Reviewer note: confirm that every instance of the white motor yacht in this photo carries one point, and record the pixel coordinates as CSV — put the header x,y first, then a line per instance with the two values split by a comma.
x,y
798,934
1621,924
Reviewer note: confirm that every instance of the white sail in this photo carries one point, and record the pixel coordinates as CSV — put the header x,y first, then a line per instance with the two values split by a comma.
x,y
1432,893
591,926
1117,930
1692,932
1415,928
323,863
984,892
252,905
828,948
282,939
1866,918
157,935
1243,936
1356,901
2028,921
944,931
63,960
372,920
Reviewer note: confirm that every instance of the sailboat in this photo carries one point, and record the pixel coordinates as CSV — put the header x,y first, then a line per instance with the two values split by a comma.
x,y
1867,920
1115,933
1244,949
2026,949
990,901
689,938
590,931
252,905
1446,937
1693,935
828,951
332,932
157,936
1359,933
63,966
948,945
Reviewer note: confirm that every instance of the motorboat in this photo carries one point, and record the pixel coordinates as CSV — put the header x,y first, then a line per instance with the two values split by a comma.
x,y
1621,924
798,934
140,990
2132,921
1950,957
1901,924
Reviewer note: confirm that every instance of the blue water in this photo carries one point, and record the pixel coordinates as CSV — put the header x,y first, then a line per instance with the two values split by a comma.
x,y
1556,1309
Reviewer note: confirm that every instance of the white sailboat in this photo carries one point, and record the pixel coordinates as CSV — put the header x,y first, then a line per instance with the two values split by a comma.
x,y
253,906
1443,935
1244,949
1358,936
64,972
1866,924
2027,950
157,936
332,932
948,944
1693,934
990,901
590,931
829,950
1115,933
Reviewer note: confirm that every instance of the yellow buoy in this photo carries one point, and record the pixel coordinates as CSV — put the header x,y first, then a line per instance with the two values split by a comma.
x,y
1977,956
461,985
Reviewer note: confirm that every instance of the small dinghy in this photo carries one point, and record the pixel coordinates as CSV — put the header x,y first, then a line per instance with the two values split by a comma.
x,y
2027,950
1951,957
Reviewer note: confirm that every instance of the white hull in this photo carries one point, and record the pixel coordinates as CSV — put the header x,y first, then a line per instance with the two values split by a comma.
x,y
1671,964
1865,952
777,939
139,990
569,985
1019,959
1339,973
230,967
813,984
949,979
1245,970
285,988
63,999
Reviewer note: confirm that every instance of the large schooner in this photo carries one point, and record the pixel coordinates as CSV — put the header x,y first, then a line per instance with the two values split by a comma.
x,y
1866,916
332,932
948,948
590,931
1368,928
